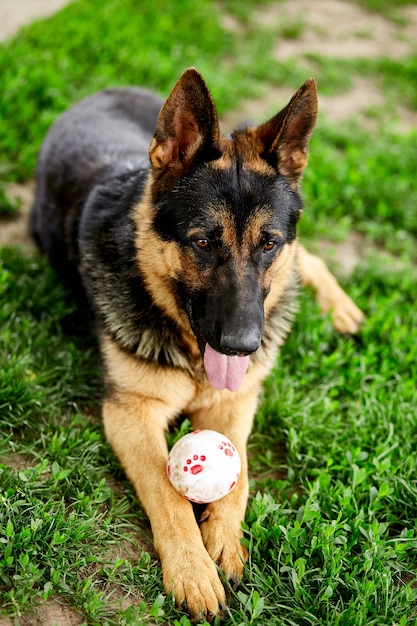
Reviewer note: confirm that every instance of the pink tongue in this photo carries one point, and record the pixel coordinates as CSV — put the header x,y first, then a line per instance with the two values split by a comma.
x,y
224,371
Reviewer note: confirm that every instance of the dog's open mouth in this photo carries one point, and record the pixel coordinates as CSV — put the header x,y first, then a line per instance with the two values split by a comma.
x,y
223,371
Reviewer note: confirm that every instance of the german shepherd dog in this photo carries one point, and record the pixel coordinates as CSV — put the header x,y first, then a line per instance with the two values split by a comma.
x,y
184,241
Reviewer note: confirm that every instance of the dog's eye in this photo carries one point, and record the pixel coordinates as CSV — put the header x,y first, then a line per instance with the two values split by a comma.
x,y
269,246
202,244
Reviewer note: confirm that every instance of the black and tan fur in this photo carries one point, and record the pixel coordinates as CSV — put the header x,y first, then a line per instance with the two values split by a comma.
x,y
194,244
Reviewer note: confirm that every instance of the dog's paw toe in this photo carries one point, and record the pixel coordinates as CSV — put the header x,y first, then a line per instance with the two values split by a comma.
x,y
223,543
197,590
347,318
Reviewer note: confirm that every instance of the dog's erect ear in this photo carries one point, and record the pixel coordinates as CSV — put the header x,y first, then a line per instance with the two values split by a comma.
x,y
285,137
187,129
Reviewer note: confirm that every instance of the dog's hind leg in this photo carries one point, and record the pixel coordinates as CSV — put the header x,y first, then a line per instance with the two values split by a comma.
x,y
347,317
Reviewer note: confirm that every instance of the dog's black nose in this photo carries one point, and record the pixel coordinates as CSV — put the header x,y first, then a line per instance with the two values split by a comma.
x,y
240,344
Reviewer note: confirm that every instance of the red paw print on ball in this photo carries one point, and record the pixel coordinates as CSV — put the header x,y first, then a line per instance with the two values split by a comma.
x,y
197,467
228,448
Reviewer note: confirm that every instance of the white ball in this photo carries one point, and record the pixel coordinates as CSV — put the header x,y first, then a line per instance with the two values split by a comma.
x,y
203,466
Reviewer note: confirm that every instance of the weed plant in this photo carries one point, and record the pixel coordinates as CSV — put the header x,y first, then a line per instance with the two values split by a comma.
x,y
331,523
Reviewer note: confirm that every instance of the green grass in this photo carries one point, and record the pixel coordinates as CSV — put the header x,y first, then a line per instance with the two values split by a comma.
x,y
365,181
331,523
386,7
88,46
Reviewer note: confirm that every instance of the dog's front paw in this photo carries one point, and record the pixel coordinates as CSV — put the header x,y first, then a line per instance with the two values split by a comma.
x,y
194,582
347,317
222,536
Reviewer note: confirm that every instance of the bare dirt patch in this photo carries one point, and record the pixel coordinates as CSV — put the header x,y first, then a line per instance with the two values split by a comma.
x,y
340,29
342,256
17,461
14,230
52,613
17,13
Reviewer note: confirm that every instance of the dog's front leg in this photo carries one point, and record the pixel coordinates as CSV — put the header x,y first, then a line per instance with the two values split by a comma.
x,y
134,428
221,521
141,401
347,317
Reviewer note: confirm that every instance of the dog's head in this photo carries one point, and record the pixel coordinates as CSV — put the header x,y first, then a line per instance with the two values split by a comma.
x,y
228,207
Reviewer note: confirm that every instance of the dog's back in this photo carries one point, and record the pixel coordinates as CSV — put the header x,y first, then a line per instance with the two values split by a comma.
x,y
103,139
